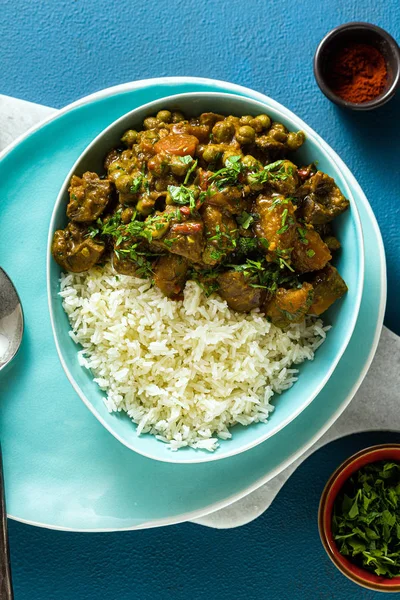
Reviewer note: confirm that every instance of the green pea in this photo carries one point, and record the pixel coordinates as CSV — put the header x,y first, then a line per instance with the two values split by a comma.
x,y
246,119
129,138
245,134
278,132
264,120
164,116
148,135
211,153
177,116
126,215
234,120
116,168
123,183
295,140
151,123
223,131
251,162
145,205
256,125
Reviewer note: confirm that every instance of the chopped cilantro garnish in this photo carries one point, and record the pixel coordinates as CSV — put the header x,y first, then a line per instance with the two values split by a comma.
x,y
182,195
187,159
246,245
190,171
273,172
216,254
93,231
282,229
229,174
366,518
262,274
245,219
136,184
303,235
282,256
206,278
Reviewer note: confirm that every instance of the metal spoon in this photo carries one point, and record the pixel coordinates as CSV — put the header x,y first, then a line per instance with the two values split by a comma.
x,y
11,320
11,330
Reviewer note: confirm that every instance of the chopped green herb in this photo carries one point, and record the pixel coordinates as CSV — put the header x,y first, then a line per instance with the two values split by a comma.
x,y
134,253
111,227
263,274
182,195
136,184
245,219
216,254
139,229
93,231
310,253
229,174
169,242
303,235
246,245
282,256
278,202
283,263
273,172
282,229
217,235
206,278
274,166
190,171
186,159
366,518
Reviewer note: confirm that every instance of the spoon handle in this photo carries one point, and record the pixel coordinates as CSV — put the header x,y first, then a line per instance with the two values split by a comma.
x,y
6,591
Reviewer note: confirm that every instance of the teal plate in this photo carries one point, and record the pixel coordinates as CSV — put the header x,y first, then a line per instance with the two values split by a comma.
x,y
63,469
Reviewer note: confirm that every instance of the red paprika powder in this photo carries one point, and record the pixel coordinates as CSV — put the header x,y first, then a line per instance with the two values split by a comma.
x,y
357,73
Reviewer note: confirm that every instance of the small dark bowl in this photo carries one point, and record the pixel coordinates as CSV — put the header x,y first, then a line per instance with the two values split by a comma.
x,y
364,33
338,479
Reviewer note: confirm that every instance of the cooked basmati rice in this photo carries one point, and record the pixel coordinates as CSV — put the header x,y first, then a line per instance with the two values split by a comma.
x,y
185,371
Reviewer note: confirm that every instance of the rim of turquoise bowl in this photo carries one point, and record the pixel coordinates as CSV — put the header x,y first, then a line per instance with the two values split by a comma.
x,y
202,457
335,483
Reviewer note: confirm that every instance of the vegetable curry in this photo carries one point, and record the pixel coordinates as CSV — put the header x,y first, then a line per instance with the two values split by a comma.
x,y
216,199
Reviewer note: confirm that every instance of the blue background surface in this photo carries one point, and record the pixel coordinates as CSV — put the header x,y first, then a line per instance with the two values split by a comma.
x,y
55,52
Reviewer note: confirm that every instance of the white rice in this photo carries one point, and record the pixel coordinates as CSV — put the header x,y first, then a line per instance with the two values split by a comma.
x,y
185,371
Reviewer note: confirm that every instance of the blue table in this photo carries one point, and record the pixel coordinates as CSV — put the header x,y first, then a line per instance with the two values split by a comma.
x,y
54,53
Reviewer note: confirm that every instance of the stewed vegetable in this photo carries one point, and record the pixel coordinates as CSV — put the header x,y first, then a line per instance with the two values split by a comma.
x,y
216,199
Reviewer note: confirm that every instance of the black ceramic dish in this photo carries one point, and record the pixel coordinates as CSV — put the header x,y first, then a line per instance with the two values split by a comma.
x,y
364,33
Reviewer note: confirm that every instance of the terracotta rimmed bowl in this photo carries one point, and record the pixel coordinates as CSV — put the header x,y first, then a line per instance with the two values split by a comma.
x,y
364,578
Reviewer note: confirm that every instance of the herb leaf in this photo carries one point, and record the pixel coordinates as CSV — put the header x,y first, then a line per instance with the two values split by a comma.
x,y
136,184
182,195
245,219
366,519
273,172
229,174
187,159
190,171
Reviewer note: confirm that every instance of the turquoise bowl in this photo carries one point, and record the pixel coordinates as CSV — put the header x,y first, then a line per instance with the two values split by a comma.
x,y
342,315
